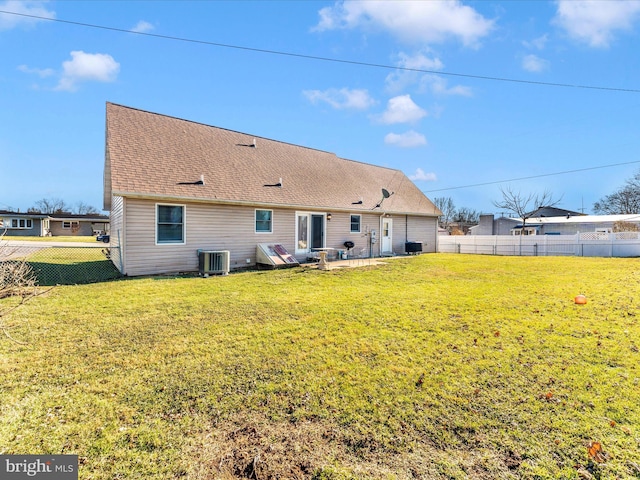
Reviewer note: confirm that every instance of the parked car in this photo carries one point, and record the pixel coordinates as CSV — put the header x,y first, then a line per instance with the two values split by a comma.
x,y
103,238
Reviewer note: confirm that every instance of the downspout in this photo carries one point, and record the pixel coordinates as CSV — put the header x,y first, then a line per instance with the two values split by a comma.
x,y
120,248
406,228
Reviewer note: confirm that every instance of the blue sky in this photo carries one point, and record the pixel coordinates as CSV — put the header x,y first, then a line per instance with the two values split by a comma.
x,y
423,109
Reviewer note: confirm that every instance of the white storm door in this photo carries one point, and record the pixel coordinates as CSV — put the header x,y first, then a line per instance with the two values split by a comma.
x,y
387,227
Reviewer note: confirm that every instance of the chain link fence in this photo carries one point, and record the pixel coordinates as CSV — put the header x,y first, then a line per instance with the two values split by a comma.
x,y
61,265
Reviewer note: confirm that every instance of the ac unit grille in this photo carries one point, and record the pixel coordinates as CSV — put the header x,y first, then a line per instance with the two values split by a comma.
x,y
213,262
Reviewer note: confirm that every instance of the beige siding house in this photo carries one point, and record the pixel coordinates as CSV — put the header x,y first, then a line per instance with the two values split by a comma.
x,y
174,186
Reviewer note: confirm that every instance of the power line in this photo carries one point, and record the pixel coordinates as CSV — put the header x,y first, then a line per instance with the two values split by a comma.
x,y
325,59
530,177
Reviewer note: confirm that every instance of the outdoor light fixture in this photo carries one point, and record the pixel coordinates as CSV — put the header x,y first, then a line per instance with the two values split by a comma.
x,y
328,216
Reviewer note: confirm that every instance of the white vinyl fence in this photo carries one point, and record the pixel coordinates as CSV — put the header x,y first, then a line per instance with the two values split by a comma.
x,y
592,244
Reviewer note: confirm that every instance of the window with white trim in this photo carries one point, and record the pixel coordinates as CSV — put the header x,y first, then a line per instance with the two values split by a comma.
x,y
356,220
170,224
264,221
524,231
19,223
70,224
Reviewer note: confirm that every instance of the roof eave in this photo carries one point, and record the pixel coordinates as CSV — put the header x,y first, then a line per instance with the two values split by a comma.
x,y
253,203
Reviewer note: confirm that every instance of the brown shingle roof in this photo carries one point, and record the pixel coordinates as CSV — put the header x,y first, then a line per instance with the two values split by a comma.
x,y
156,156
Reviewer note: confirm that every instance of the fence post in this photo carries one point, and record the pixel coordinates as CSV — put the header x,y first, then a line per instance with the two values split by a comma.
x,y
611,245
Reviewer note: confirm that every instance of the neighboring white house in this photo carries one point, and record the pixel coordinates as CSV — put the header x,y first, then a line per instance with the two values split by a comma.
x,y
174,187
563,225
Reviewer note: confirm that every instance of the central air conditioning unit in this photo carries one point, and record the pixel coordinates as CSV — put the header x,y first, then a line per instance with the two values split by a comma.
x,y
213,262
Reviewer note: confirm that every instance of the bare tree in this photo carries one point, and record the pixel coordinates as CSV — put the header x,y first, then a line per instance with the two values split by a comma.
x,y
522,204
50,205
85,209
448,209
17,279
467,216
625,227
625,200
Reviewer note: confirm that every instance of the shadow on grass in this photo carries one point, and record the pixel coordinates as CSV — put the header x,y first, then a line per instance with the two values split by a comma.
x,y
75,273
71,266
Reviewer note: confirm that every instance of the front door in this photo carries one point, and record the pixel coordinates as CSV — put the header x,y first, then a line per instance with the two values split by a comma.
x,y
387,244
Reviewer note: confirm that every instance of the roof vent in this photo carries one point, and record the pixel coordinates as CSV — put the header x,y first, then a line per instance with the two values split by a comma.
x,y
279,184
197,182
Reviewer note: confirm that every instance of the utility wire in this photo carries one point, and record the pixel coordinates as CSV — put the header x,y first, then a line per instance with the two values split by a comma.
x,y
530,177
325,59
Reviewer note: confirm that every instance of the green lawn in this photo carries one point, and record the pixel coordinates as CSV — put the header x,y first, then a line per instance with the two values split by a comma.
x,y
437,366
50,239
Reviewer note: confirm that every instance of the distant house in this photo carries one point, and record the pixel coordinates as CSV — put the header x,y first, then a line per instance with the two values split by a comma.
x,y
22,224
65,224
567,224
552,212
55,224
174,187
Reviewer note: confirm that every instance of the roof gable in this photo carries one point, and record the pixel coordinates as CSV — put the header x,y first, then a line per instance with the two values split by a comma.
x,y
156,156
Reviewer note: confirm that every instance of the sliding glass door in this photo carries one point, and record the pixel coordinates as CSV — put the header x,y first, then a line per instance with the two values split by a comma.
x,y
310,231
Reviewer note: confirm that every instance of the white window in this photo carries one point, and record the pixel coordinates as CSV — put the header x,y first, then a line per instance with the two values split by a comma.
x,y
525,231
356,221
70,224
19,223
264,221
170,224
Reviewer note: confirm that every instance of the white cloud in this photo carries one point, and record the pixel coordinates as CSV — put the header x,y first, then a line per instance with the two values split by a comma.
x,y
398,81
401,109
341,99
408,139
414,21
98,67
34,8
440,86
406,76
533,63
423,176
419,61
41,72
142,27
595,22
537,43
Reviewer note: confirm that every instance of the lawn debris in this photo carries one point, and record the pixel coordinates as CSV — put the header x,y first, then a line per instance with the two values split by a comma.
x,y
596,453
